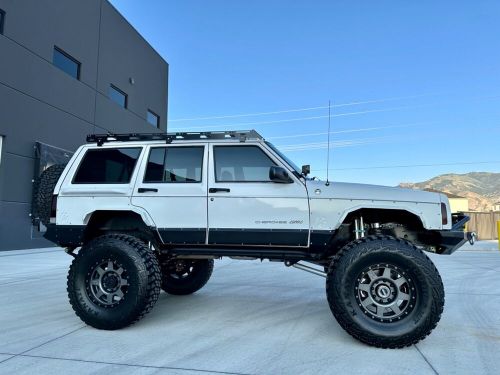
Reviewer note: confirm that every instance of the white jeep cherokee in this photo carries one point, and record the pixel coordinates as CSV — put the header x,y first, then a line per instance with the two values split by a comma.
x,y
153,211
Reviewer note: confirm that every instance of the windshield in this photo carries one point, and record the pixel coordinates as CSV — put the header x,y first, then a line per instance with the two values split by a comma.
x,y
289,162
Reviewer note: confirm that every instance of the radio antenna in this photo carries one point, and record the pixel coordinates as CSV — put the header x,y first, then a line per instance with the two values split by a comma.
x,y
328,146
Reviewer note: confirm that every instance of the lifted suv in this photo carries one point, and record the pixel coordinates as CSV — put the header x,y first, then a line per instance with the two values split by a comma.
x,y
153,211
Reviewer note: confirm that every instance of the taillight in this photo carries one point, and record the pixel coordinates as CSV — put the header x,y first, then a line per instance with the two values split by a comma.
x,y
53,207
444,214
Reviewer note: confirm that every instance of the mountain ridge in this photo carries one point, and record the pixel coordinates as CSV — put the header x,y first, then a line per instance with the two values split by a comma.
x,y
481,188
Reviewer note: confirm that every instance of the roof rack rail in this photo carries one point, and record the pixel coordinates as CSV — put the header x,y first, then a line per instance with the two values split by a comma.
x,y
242,135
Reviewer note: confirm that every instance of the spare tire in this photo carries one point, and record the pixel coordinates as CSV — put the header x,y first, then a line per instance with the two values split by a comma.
x,y
45,189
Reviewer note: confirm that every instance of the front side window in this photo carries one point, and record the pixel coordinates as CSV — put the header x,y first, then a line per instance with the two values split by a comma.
x,y
241,164
118,96
153,119
107,166
66,63
285,158
174,164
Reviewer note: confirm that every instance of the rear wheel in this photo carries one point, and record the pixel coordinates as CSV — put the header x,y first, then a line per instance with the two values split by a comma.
x,y
385,292
114,281
186,276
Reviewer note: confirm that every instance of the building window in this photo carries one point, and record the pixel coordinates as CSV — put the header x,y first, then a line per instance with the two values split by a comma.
x,y
2,20
107,166
175,164
118,96
1,142
66,63
153,118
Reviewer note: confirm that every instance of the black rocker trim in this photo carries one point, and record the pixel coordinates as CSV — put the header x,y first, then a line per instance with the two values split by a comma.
x,y
193,236
74,235
263,237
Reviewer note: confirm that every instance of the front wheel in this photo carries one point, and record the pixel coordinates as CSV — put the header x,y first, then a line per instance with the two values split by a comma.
x,y
385,292
185,276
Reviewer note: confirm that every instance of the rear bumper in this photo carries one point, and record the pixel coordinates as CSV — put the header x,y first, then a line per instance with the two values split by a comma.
x,y
65,235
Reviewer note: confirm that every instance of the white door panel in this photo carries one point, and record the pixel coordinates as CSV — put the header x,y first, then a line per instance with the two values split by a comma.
x,y
257,213
175,212
179,209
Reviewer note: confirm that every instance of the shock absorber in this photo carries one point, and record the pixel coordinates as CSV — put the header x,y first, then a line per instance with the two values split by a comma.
x,y
376,228
359,228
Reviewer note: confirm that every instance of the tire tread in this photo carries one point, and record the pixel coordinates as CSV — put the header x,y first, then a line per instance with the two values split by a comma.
x,y
193,285
342,315
153,287
44,186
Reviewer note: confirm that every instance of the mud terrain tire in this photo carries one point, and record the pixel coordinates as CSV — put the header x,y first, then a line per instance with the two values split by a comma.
x,y
385,292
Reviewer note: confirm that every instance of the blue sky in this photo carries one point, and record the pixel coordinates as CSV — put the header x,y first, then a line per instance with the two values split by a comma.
x,y
427,74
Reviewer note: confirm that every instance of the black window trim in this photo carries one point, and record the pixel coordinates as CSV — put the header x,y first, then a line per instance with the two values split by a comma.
x,y
239,181
141,148
121,92
157,118
68,56
2,20
173,182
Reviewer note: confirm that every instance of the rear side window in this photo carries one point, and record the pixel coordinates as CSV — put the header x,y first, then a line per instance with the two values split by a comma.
x,y
107,166
174,164
241,164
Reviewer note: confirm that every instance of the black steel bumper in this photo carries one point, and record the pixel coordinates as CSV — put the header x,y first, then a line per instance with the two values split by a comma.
x,y
65,235
453,239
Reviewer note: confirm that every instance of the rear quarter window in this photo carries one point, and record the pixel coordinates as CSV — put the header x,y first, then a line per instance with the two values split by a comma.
x,y
107,166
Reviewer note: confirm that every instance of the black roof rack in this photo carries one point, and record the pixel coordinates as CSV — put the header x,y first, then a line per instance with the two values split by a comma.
x,y
242,135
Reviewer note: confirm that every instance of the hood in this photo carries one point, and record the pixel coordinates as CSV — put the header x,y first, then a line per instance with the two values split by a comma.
x,y
345,190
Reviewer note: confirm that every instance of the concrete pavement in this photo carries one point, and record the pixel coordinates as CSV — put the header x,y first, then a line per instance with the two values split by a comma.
x,y
251,318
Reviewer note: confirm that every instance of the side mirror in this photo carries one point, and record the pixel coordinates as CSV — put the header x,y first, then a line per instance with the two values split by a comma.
x,y
306,169
279,175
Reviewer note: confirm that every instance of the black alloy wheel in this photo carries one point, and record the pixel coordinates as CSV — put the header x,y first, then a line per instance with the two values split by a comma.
x,y
185,276
385,291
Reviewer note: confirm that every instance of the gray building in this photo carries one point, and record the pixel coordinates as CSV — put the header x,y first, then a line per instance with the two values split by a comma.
x,y
68,68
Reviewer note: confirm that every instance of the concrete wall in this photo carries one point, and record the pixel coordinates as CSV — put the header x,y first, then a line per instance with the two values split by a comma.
x,y
459,204
40,102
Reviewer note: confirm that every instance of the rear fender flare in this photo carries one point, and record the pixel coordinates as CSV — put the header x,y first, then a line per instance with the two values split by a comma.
x,y
146,218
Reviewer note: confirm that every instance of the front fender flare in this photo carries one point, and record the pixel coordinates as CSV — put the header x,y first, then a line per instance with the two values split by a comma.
x,y
380,206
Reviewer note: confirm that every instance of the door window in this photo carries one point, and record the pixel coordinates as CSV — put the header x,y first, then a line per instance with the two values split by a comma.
x,y
174,164
241,164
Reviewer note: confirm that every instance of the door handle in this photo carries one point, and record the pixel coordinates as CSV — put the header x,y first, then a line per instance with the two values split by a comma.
x,y
147,190
219,190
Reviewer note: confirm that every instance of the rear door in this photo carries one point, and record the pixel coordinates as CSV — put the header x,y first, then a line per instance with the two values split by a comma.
x,y
172,188
246,208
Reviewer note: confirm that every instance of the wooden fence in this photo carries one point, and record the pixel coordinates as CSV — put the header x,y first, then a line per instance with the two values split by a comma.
x,y
484,224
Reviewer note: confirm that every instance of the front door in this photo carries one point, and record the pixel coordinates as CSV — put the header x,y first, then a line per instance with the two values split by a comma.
x,y
245,207
172,188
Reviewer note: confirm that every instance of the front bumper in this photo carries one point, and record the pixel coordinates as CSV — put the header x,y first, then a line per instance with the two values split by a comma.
x,y
452,240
